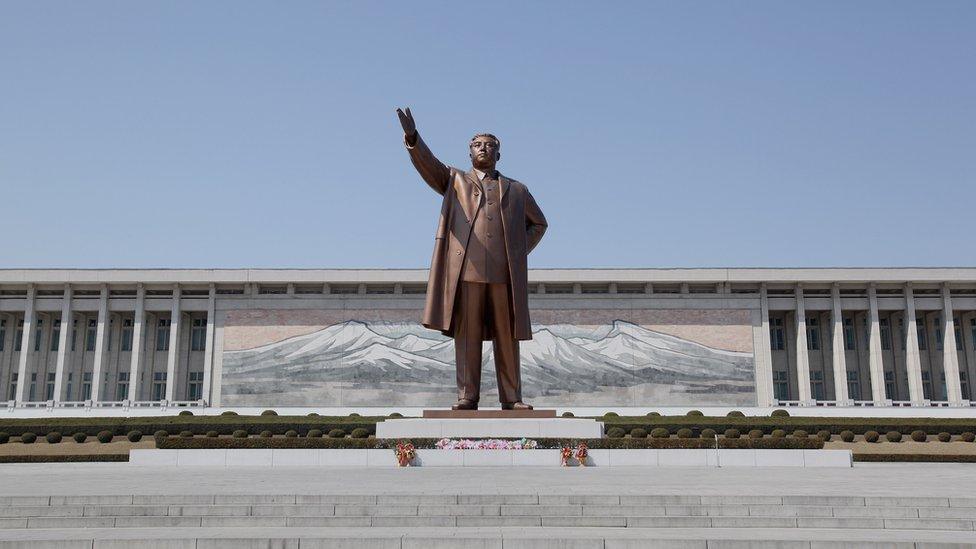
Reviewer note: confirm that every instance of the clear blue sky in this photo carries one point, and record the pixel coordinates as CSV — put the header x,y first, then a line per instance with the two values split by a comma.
x,y
678,134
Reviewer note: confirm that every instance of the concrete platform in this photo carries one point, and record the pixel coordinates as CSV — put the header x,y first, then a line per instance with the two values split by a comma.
x,y
483,428
489,414
488,458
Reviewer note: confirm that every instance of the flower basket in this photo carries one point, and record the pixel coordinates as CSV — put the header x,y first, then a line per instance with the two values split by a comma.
x,y
582,452
405,454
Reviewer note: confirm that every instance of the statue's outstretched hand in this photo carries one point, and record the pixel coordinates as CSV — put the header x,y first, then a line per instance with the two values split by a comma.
x,y
409,126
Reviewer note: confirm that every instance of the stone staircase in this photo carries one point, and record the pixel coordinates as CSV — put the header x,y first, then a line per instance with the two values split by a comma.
x,y
500,521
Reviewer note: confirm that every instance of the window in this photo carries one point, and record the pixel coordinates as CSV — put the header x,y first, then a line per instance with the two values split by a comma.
x,y
972,331
86,386
19,336
56,336
890,386
885,334
162,335
3,333
776,337
853,385
923,341
817,384
49,389
126,344
781,385
849,339
32,392
957,331
122,387
159,386
13,386
67,391
945,390
926,385
964,385
813,333
38,334
937,329
74,334
198,334
111,325
194,390
90,335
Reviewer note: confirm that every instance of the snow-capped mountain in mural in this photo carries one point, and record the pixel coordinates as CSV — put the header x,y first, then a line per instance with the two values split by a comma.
x,y
559,359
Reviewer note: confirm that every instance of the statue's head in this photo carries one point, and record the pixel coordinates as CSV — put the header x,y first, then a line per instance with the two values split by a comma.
x,y
485,151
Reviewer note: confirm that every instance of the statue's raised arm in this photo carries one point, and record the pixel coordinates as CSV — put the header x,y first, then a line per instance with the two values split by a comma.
x,y
434,172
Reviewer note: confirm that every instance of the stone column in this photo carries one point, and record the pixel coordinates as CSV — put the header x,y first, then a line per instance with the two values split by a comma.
x,y
802,357
763,355
135,358
64,343
209,349
838,354
875,365
100,345
174,345
913,361
950,360
967,346
25,346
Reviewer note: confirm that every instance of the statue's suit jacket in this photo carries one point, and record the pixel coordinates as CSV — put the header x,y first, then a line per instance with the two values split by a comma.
x,y
522,220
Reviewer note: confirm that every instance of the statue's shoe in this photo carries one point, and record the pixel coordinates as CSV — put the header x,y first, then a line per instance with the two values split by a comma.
x,y
515,406
465,404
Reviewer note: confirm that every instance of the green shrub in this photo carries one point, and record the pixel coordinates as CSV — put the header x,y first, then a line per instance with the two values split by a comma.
x,y
735,413
53,437
847,436
269,413
80,437
228,413
311,414
800,433
354,414
185,413
778,433
568,414
638,432
359,432
944,437
291,433
314,433
266,434
779,412
337,433
732,433
871,436
28,437
395,415
212,434
919,436
968,436
161,434
695,413
611,414
660,432
685,432
134,436
616,432
240,433
893,436
755,433
708,433
104,436
824,435
653,414
4,437
186,434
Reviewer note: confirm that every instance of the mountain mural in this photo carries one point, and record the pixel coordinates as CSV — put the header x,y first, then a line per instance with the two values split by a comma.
x,y
401,363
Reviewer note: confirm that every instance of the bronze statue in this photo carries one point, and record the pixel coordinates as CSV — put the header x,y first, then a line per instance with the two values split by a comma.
x,y
478,286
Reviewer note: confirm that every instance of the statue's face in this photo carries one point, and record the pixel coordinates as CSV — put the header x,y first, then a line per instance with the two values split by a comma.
x,y
484,153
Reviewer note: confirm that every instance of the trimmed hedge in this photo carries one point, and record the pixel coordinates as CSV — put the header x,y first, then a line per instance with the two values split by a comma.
x,y
567,414
800,433
967,437
80,437
638,432
104,436
337,433
53,437
778,433
359,433
660,432
708,433
186,434
686,433
171,443
314,433
28,437
732,433
871,436
266,434
695,413
893,436
40,458
269,413
291,433
185,413
240,433
616,432
824,434
213,434
755,433
917,458
198,425
944,437
847,436
160,433
4,437
735,413
779,413
134,436
919,436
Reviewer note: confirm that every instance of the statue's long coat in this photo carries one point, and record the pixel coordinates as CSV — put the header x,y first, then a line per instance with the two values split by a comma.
x,y
522,220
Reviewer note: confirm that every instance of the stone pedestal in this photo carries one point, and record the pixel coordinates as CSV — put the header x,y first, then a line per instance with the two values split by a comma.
x,y
489,414
490,424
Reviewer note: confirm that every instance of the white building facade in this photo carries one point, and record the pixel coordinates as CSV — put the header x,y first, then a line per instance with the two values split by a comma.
x,y
632,338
